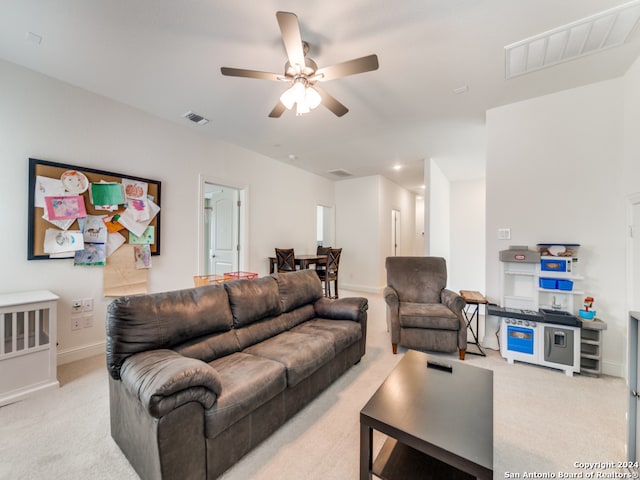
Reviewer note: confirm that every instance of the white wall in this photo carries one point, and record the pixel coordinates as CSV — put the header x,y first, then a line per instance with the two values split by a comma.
x,y
439,212
555,174
418,246
466,267
46,119
631,88
363,229
357,232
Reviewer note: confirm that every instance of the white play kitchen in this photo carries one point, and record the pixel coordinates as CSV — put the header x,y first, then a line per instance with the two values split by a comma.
x,y
539,319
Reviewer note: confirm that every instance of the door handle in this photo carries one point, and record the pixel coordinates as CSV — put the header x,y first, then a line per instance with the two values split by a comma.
x,y
547,342
635,393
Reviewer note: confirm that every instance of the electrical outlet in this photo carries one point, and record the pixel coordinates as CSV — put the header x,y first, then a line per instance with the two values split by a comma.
x,y
76,306
504,234
76,322
87,321
87,304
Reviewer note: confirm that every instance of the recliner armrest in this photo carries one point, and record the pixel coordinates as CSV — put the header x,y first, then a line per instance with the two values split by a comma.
x,y
453,301
163,380
348,308
391,296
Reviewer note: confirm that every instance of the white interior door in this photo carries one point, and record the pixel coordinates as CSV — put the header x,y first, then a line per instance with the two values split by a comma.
x,y
634,305
222,230
635,407
634,300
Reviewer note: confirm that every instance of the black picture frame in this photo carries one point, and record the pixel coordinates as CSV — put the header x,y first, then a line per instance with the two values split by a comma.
x,y
36,224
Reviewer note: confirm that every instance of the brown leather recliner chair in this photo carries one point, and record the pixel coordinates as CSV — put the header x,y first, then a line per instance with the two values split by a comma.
x,y
421,312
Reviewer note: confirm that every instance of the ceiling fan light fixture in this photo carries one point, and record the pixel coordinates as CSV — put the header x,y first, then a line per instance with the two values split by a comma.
x,y
301,94
313,98
302,108
287,98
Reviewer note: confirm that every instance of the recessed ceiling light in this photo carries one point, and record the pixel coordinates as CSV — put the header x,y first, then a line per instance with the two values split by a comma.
x,y
606,29
397,167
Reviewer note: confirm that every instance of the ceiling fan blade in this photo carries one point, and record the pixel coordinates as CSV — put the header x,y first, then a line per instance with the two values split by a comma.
x,y
277,111
290,30
350,67
240,72
331,103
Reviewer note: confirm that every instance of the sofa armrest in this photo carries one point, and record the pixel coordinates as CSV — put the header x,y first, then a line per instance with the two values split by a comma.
x,y
163,380
348,308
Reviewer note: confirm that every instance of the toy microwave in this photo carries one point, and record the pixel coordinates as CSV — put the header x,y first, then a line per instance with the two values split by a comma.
x,y
555,264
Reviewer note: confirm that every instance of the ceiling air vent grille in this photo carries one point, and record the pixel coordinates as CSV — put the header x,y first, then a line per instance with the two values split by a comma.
x,y
195,118
341,173
589,35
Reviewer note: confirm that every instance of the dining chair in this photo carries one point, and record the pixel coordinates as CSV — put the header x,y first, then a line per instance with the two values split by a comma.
x,y
330,273
320,250
285,260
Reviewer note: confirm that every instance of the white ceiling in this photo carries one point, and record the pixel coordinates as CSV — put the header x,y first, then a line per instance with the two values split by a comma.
x,y
164,57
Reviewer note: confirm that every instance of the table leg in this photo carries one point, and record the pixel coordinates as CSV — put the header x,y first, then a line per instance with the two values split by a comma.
x,y
475,315
366,452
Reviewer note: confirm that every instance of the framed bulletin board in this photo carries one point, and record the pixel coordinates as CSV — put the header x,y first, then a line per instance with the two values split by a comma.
x,y
37,225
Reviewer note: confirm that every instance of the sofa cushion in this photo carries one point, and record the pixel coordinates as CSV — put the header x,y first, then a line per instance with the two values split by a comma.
x,y
427,315
259,331
163,320
248,382
297,316
301,354
298,288
210,347
342,333
253,300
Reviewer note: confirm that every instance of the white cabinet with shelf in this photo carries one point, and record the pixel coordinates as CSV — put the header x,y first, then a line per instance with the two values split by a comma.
x,y
522,288
28,353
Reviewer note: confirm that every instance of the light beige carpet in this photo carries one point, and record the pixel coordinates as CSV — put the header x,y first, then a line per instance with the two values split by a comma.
x,y
544,422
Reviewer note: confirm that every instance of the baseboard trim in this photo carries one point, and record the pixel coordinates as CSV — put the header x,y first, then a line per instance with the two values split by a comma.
x,y
361,288
613,369
80,353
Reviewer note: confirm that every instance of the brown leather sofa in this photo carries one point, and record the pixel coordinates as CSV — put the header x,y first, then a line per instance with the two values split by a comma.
x,y
198,377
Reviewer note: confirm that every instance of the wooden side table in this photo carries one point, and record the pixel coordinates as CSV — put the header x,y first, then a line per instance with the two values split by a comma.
x,y
474,299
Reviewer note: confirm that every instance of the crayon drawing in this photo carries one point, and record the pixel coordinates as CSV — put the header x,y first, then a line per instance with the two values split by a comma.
x,y
65,207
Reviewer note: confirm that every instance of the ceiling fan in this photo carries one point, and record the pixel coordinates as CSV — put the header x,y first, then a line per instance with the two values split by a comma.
x,y
302,74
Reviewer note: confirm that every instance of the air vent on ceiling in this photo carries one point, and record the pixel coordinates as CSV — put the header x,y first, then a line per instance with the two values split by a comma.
x,y
606,29
195,118
341,173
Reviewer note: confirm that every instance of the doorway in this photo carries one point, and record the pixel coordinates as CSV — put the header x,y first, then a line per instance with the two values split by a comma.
x,y
325,226
395,231
223,233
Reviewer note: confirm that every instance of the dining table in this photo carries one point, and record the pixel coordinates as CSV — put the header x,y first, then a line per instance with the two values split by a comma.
x,y
302,261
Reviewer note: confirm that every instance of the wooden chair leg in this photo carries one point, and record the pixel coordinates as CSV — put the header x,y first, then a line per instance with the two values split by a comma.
x,y
394,348
461,353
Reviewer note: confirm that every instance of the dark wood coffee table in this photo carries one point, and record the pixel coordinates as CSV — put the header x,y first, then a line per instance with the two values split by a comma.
x,y
439,423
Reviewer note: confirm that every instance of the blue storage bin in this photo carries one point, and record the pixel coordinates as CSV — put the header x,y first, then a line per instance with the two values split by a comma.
x,y
565,284
551,283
